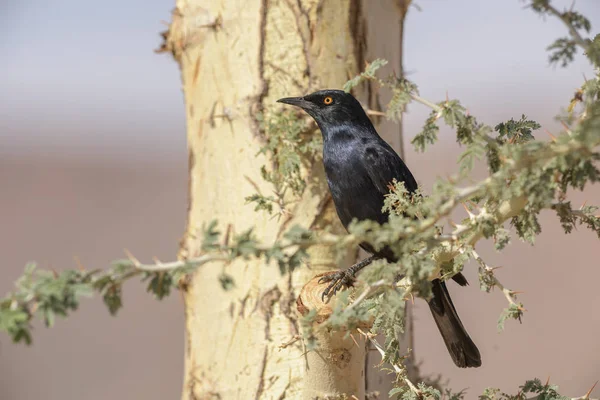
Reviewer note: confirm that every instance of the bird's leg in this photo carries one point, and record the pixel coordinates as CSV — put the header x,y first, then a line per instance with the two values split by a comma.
x,y
344,277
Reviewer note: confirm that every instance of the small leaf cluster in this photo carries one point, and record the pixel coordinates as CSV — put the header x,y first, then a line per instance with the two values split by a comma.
x,y
429,133
403,392
291,145
401,96
586,215
368,74
563,50
44,293
513,311
401,88
50,294
531,389
288,253
526,391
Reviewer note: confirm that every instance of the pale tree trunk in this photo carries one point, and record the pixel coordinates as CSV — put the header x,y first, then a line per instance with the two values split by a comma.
x,y
236,57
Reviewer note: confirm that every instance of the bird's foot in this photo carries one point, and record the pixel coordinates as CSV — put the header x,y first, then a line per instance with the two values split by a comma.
x,y
339,279
343,278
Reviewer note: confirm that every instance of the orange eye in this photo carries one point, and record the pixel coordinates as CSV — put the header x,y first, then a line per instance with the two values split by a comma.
x,y
328,100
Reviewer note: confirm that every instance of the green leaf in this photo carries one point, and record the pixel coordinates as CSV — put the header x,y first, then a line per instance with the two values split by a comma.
x,y
262,202
226,280
369,73
429,133
160,284
113,299
210,236
517,131
514,311
562,51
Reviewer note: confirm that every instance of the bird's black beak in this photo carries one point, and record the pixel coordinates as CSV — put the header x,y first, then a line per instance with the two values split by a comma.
x,y
296,101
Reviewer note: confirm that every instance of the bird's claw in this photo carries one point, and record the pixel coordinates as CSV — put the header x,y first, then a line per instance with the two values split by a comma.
x,y
338,280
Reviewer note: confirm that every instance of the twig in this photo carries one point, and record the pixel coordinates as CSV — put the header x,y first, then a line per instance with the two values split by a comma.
x,y
587,395
583,43
428,103
370,289
190,262
584,397
509,294
400,370
575,212
440,109
290,342
374,112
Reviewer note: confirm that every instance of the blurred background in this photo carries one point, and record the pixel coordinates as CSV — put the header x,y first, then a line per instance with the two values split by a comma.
x,y
93,160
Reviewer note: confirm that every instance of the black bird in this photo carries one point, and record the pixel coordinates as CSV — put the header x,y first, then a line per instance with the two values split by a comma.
x,y
359,165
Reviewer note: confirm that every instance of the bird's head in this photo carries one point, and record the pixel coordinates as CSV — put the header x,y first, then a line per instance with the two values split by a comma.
x,y
331,108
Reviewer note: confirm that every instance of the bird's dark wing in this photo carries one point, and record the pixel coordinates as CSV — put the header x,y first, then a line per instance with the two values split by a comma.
x,y
383,165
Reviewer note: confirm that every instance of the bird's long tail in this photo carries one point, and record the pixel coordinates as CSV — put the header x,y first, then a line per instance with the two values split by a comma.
x,y
463,351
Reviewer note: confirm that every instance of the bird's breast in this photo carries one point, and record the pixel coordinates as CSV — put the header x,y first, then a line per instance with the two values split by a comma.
x,y
353,192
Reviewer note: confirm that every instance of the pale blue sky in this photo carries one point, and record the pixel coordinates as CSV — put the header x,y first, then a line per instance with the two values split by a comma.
x,y
73,65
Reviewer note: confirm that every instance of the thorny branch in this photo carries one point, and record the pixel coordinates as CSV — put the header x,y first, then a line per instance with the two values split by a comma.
x,y
564,17
401,372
